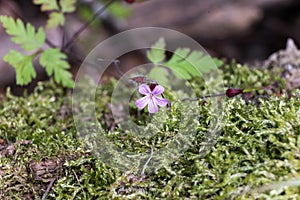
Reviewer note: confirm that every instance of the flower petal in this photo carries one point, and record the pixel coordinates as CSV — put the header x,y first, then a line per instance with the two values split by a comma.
x,y
142,102
158,90
152,107
161,101
144,89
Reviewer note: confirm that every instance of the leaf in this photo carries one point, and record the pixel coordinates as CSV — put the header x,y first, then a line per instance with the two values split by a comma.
x,y
55,19
119,11
24,36
180,65
67,6
160,75
191,63
180,72
25,71
218,62
157,52
55,64
47,5
184,63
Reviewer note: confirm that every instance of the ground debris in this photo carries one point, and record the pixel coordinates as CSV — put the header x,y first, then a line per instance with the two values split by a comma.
x,y
289,55
47,169
287,59
10,149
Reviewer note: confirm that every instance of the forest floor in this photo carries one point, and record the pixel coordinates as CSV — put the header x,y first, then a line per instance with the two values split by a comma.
x,y
255,155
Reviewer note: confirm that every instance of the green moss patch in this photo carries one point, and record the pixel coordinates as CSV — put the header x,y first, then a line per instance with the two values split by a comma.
x,y
42,155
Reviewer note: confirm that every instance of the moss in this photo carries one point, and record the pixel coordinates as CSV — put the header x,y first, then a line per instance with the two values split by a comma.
x,y
40,149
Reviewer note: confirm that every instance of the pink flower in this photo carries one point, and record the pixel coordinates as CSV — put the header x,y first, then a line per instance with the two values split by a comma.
x,y
151,97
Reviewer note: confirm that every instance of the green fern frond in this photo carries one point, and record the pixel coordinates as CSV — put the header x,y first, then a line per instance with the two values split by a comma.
x,y
47,5
55,64
55,19
185,63
58,9
23,65
26,36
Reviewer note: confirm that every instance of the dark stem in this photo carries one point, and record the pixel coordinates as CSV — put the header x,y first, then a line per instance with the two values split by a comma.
x,y
85,25
117,68
204,97
50,43
63,31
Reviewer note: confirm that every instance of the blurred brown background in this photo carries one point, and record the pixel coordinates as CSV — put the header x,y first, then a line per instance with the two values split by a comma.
x,y
242,29
246,30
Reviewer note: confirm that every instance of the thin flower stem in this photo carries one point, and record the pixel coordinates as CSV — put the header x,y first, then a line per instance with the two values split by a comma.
x,y
204,97
215,95
85,25
117,68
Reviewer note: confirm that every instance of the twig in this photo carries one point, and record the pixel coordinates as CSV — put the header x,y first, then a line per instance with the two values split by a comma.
x,y
85,25
146,164
48,189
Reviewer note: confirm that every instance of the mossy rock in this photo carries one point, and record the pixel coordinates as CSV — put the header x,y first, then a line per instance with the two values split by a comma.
x,y
42,155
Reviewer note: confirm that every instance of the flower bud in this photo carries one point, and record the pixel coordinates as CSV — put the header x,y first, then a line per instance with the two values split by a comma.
x,y
134,1
203,103
231,92
152,86
130,1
